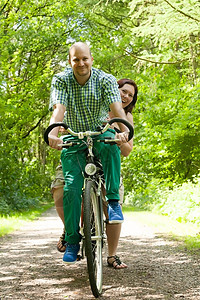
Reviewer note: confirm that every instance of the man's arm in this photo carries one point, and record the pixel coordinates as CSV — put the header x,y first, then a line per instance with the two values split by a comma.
x,y
118,112
57,116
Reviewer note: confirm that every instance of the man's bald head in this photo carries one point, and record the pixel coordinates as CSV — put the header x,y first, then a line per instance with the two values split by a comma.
x,y
79,46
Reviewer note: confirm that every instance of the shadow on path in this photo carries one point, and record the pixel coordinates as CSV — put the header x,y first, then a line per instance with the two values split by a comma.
x,y
32,268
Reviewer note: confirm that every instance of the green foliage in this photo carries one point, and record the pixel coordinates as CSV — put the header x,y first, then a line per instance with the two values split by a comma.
x,y
167,136
145,41
32,34
172,29
24,186
155,19
180,202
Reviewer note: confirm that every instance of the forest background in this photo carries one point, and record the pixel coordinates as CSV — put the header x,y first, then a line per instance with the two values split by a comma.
x,y
153,42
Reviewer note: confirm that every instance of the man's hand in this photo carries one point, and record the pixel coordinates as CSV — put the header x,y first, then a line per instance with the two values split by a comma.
x,y
57,116
54,141
123,138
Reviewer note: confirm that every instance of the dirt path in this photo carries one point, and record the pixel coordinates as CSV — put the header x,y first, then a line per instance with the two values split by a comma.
x,y
31,267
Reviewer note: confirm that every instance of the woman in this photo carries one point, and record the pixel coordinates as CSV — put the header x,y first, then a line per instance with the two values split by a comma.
x,y
128,91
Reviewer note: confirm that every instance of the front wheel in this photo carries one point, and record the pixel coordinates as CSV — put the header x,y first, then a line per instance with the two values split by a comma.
x,y
93,219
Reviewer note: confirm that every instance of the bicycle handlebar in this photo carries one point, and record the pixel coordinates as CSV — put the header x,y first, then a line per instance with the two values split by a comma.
x,y
126,123
81,135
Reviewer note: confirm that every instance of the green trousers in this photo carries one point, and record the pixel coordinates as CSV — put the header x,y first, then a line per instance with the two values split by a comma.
x,y
73,163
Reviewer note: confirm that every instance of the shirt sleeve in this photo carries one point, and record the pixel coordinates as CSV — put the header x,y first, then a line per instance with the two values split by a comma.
x,y
58,91
111,91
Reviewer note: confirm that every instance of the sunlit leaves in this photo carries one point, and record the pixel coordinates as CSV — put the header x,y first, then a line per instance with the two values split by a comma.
x,y
151,42
168,26
32,35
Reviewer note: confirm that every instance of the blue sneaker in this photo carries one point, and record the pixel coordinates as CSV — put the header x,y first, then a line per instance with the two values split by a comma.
x,y
71,252
115,212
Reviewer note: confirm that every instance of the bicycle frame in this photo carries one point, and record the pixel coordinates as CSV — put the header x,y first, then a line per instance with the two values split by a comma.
x,y
92,220
93,225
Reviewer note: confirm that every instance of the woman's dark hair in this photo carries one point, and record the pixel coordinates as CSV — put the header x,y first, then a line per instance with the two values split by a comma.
x,y
131,105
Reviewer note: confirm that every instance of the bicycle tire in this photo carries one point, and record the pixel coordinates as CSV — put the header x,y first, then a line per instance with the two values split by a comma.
x,y
93,234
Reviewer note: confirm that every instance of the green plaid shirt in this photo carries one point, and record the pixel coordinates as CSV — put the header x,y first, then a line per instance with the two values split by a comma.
x,y
86,106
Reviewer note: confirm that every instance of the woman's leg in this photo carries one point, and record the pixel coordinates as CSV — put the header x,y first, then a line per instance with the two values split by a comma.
x,y
113,234
57,191
57,194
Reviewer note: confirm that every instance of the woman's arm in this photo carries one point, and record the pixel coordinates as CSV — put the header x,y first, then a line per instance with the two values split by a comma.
x,y
126,148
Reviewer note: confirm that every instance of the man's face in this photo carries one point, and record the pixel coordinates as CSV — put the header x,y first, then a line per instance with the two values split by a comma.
x,y
81,61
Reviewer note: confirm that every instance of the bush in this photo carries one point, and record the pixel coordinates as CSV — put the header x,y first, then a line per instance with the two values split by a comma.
x,y
23,189
180,202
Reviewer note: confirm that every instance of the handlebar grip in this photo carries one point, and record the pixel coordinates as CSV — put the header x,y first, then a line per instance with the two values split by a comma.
x,y
126,123
46,133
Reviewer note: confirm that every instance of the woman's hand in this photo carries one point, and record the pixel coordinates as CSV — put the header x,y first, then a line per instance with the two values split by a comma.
x,y
123,138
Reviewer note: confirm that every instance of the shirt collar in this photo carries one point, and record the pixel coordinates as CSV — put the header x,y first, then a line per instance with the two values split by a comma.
x,y
91,75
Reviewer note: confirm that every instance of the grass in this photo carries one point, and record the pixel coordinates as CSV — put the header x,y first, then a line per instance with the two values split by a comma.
x,y
14,222
187,233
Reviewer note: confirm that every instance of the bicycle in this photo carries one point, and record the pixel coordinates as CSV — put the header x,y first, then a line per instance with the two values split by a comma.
x,y
92,223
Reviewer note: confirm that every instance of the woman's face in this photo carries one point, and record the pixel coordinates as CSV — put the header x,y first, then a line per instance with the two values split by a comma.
x,y
127,92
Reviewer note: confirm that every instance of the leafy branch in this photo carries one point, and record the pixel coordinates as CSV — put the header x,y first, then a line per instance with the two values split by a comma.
x,y
152,61
34,127
181,12
2,9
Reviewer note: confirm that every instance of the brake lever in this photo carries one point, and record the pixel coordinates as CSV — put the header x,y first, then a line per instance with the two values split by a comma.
x,y
109,141
68,144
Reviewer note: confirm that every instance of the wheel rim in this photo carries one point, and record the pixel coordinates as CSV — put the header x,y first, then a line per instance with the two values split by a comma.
x,y
97,245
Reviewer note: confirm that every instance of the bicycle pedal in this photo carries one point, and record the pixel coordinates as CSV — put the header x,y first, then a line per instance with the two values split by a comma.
x,y
79,257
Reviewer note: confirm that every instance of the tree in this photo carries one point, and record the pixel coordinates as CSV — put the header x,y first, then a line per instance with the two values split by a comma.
x,y
33,41
142,40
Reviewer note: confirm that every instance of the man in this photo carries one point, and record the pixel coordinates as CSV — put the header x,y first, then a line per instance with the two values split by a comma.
x,y
84,95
